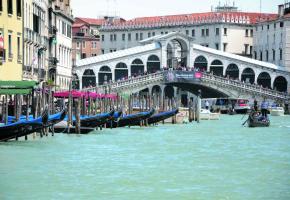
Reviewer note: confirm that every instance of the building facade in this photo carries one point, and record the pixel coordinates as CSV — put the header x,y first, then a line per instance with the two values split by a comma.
x,y
86,38
36,41
11,37
271,38
225,29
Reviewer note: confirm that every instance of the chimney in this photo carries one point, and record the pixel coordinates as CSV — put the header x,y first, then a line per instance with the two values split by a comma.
x,y
281,10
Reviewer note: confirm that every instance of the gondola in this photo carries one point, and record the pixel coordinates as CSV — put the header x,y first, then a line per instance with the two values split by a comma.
x,y
94,121
115,118
132,119
162,116
255,119
23,127
63,128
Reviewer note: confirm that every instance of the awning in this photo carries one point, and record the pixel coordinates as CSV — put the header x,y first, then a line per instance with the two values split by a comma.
x,y
15,91
17,84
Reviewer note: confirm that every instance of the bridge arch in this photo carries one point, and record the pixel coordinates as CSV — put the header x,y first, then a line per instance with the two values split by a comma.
x,y
104,75
153,64
156,89
264,79
137,67
248,75
280,84
88,78
233,71
121,71
177,52
169,91
217,68
201,63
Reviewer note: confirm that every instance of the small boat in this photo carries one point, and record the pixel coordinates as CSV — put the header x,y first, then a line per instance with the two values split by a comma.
x,y
207,115
162,116
132,119
277,111
242,106
23,127
256,119
96,120
115,118
56,118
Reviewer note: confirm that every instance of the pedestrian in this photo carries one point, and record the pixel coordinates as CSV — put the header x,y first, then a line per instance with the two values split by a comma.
x,y
264,107
255,105
206,104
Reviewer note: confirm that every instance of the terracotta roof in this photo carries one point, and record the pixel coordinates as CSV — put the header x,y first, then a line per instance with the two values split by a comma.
x,y
78,25
194,18
91,21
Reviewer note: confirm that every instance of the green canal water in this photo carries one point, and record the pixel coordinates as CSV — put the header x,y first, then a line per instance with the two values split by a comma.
x,y
212,160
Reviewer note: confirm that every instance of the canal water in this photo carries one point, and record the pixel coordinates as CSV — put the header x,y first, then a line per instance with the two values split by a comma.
x,y
212,160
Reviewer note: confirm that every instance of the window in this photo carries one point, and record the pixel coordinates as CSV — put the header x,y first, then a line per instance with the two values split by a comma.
x,y
137,36
274,25
262,27
78,45
10,55
225,31
84,44
252,33
18,7
115,37
255,55
193,33
267,55
202,32
161,32
10,7
225,46
129,36
246,48
274,54
281,54
166,32
153,34
187,32
261,56
84,55
281,24
63,28
149,35
217,46
18,48
68,33
94,45
103,38
251,50
35,23
111,37
247,33
1,6
217,31
141,36
123,37
103,51
268,27
207,32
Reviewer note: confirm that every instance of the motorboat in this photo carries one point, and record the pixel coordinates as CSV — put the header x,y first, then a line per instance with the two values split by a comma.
x,y
207,115
277,111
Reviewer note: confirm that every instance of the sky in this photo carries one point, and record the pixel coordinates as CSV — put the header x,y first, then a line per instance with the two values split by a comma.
x,y
129,9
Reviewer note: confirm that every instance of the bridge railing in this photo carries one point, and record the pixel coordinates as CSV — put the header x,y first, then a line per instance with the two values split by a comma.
x,y
245,86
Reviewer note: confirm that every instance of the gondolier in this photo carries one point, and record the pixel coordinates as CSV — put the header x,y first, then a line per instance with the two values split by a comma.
x,y
264,108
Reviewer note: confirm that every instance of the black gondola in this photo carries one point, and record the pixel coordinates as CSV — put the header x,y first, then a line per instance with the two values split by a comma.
x,y
23,127
96,120
115,118
132,119
154,119
255,119
63,128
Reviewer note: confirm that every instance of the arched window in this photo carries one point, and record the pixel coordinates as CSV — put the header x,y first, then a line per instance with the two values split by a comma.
x,y
248,75
264,79
121,71
280,84
153,64
105,75
89,78
217,68
232,71
201,63
137,67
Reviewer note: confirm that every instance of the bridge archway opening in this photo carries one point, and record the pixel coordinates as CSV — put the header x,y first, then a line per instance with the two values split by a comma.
x,y
75,82
201,63
153,64
280,84
264,79
156,90
137,67
248,75
121,71
169,92
177,51
105,75
217,68
89,79
232,71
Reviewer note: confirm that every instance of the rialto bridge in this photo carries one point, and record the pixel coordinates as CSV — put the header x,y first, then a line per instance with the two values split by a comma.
x,y
178,51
